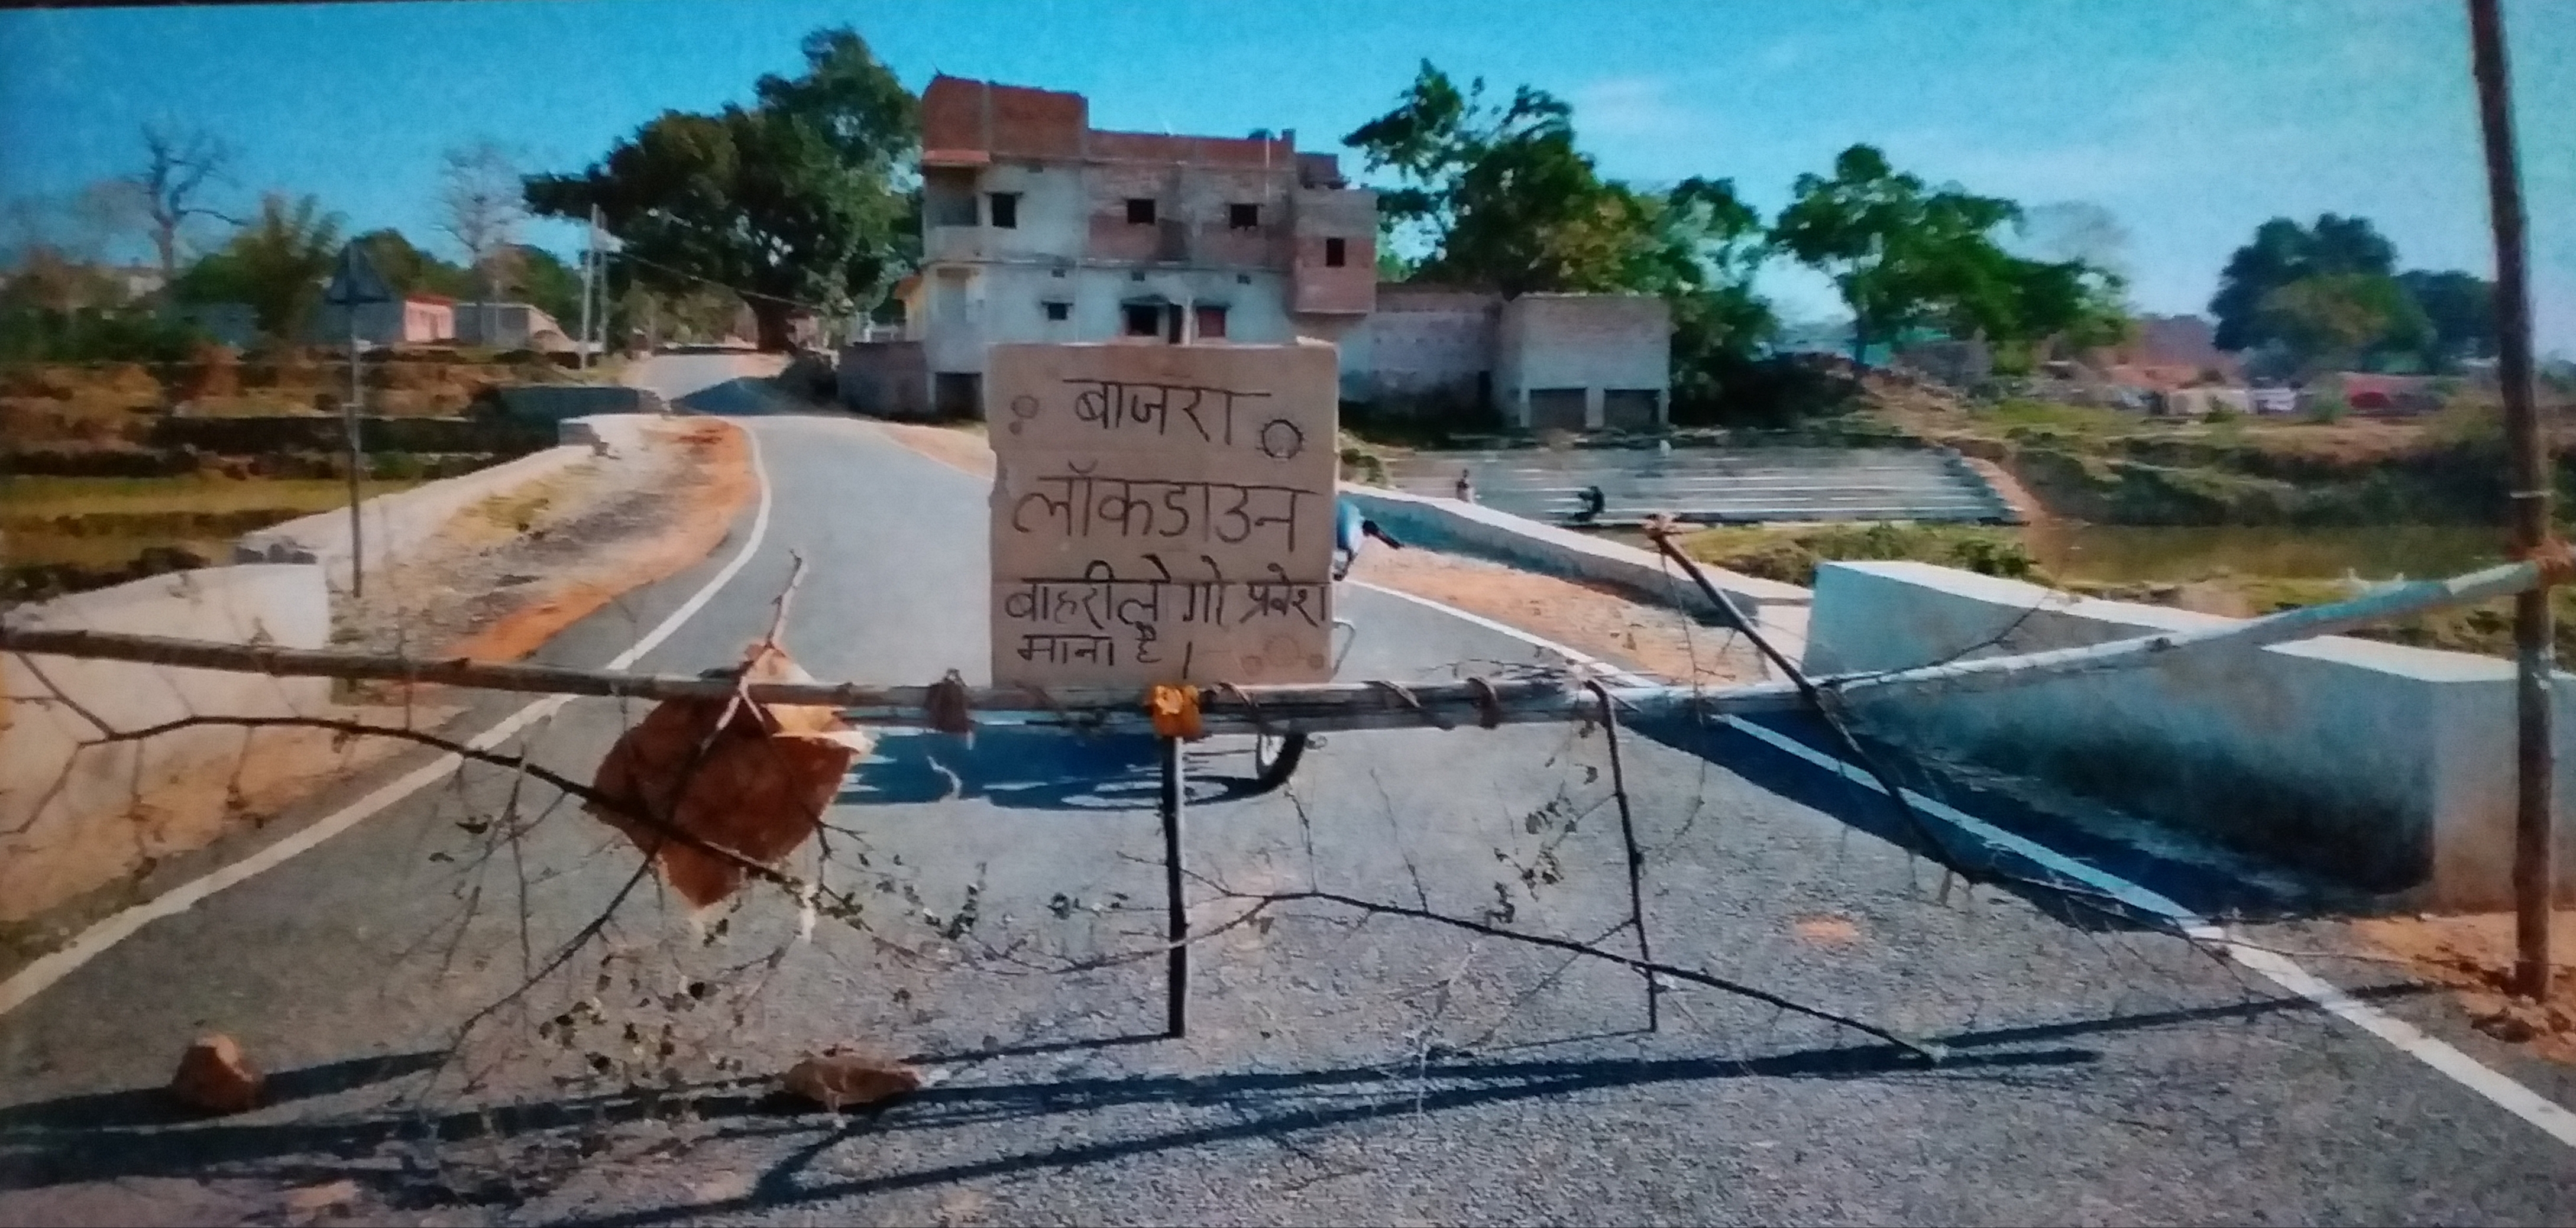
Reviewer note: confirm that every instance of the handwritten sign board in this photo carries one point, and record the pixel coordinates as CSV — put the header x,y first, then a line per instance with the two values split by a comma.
x,y
1162,513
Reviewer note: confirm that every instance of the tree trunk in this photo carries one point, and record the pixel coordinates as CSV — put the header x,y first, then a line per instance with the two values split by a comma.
x,y
165,244
769,319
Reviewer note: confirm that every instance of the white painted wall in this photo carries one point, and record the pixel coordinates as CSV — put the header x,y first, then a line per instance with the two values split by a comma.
x,y
49,784
2377,761
1001,303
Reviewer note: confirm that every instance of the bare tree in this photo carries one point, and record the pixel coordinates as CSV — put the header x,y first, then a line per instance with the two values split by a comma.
x,y
481,206
180,165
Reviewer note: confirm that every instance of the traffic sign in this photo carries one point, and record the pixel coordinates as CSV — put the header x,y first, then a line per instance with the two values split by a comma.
x,y
354,280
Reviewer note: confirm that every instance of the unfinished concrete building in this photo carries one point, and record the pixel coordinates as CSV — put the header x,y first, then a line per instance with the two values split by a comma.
x,y
1571,362
1038,227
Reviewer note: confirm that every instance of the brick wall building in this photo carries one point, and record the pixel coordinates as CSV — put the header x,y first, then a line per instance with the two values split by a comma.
x,y
1039,227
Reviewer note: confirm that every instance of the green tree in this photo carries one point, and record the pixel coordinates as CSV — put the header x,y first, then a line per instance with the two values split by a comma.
x,y
794,202
1497,194
2460,307
1907,257
2283,252
409,270
277,263
2332,320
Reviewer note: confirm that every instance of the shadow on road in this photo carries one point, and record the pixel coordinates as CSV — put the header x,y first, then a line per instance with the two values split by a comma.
x,y
1031,769
2204,890
743,394
45,1147
153,1106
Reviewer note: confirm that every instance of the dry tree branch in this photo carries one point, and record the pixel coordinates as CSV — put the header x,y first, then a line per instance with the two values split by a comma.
x,y
1635,859
1646,967
515,763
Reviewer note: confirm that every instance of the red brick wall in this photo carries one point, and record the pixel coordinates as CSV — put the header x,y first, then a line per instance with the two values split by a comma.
x,y
952,114
1007,120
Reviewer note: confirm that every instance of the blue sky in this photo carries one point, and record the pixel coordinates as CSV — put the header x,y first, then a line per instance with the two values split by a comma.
x,y
2190,120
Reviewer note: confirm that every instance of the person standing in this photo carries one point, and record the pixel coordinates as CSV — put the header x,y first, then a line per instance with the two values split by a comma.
x,y
1466,487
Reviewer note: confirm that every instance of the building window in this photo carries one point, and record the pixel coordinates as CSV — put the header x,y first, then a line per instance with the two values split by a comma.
x,y
1334,253
1243,217
1142,319
1140,210
1211,322
1005,209
1059,311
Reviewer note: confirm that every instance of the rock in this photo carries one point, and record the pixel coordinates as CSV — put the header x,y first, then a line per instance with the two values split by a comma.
x,y
312,1202
214,1077
838,1078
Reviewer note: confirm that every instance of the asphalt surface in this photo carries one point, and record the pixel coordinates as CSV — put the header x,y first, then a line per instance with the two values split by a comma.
x,y
1337,1069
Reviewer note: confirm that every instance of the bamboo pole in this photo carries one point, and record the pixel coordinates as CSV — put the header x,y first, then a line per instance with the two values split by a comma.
x,y
2530,485
1319,708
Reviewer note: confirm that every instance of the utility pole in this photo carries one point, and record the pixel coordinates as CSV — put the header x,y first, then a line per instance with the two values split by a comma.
x,y
354,284
2533,890
589,275
357,466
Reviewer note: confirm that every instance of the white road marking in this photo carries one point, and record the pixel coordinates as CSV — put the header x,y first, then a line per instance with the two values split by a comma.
x,y
2551,1117
41,974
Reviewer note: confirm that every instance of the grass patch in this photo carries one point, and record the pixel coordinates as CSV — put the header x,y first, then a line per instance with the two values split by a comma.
x,y
2049,417
27,498
1790,554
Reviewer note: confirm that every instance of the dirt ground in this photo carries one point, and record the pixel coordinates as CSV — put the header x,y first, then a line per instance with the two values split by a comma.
x,y
2473,955
508,574
498,581
1654,639
1650,638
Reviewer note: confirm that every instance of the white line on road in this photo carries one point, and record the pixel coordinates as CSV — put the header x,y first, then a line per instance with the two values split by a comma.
x,y
36,977
2498,1088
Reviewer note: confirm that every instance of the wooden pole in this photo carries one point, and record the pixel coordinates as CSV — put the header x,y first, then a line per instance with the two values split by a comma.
x,y
1176,915
1320,708
2530,484
357,463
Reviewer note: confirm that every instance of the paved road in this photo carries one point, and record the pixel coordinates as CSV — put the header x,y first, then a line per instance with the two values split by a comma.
x,y
1335,1071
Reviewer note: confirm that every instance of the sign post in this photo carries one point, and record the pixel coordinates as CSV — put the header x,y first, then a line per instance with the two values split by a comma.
x,y
355,283
1163,514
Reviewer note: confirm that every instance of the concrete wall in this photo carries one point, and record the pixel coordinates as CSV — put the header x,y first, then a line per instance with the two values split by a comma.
x,y
1465,528
557,402
1594,342
397,522
2389,767
505,326
888,378
48,782
1421,343
248,434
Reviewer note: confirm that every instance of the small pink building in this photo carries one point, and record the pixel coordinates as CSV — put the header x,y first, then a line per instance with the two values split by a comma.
x,y
415,320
